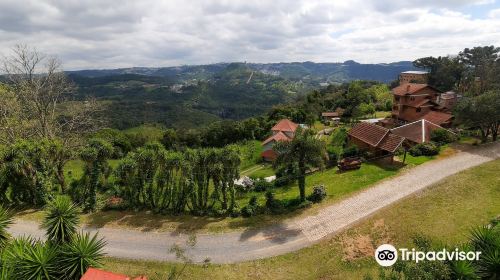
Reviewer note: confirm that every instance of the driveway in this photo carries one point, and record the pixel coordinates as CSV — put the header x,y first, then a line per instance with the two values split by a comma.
x,y
291,235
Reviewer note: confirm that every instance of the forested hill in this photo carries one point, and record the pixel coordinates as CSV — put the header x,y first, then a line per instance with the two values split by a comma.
x,y
307,72
192,96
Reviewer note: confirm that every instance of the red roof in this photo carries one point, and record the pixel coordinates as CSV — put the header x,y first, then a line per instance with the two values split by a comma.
x,y
368,133
376,136
418,132
436,117
411,88
285,125
280,136
96,274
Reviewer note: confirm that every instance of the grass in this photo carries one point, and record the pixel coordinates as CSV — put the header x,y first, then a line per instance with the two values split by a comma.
x,y
444,212
250,153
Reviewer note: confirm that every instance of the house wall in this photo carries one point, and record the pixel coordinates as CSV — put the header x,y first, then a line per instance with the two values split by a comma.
x,y
405,78
268,146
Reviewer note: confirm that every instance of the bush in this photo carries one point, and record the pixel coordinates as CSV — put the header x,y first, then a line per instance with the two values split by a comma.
x,y
332,158
442,136
318,194
272,204
251,208
351,151
284,175
424,149
262,185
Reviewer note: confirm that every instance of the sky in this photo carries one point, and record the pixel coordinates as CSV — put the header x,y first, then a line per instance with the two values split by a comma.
x,y
98,34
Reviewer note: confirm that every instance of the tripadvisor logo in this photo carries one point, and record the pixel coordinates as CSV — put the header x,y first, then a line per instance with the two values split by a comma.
x,y
387,255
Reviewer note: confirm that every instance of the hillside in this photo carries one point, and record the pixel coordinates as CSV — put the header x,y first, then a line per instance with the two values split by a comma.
x,y
192,96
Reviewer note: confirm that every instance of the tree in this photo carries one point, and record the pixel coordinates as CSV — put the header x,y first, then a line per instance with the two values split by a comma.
x,y
481,112
445,73
40,93
61,220
96,170
480,63
303,152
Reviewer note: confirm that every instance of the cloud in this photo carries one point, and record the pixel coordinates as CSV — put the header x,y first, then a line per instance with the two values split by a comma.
x,y
107,34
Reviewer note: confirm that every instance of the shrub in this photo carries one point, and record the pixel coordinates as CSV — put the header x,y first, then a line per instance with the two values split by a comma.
x,y
424,149
442,136
251,208
318,194
332,158
262,185
351,151
272,204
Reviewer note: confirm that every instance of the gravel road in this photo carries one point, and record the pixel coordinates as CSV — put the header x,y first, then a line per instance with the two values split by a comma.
x,y
290,235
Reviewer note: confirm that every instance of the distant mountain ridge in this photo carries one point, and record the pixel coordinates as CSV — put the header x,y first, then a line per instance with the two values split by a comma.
x,y
308,72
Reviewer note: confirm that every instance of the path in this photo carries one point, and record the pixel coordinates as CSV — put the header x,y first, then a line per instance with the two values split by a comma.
x,y
291,235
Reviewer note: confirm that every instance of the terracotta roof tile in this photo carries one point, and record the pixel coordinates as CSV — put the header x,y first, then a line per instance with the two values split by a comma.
x,y
436,117
418,132
280,136
376,136
391,142
96,274
285,125
410,88
368,133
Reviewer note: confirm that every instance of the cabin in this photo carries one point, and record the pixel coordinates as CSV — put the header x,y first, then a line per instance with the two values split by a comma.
x,y
374,139
332,117
284,130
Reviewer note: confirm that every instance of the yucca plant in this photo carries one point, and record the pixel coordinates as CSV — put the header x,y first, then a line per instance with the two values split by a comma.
x,y
487,240
34,260
61,220
82,252
5,221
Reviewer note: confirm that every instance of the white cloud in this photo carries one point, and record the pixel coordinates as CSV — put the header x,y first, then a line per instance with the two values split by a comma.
x,y
105,34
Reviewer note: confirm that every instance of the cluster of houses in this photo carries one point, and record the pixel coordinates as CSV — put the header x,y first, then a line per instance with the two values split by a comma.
x,y
418,109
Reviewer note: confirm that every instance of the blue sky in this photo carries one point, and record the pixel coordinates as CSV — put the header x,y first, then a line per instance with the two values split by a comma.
x,y
103,34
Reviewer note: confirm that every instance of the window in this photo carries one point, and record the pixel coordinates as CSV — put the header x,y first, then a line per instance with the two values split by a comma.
x,y
412,98
418,110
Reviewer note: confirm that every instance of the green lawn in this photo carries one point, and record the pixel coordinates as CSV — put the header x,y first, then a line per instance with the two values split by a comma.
x,y
444,212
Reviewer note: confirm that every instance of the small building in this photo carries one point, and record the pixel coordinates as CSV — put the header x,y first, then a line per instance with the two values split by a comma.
x,y
97,274
375,139
420,77
284,130
333,117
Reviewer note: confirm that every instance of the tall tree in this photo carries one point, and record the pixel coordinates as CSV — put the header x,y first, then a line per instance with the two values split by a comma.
x,y
481,112
480,63
41,93
61,220
445,73
303,152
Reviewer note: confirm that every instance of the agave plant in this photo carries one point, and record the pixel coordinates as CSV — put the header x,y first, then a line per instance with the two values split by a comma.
x,y
487,240
5,221
61,220
82,252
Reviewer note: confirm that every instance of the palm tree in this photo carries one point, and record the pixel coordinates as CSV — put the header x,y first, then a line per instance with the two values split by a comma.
x,y
61,220
32,260
5,221
302,152
82,252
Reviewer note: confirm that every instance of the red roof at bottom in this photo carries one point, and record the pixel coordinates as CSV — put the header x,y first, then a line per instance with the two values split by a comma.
x,y
96,274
